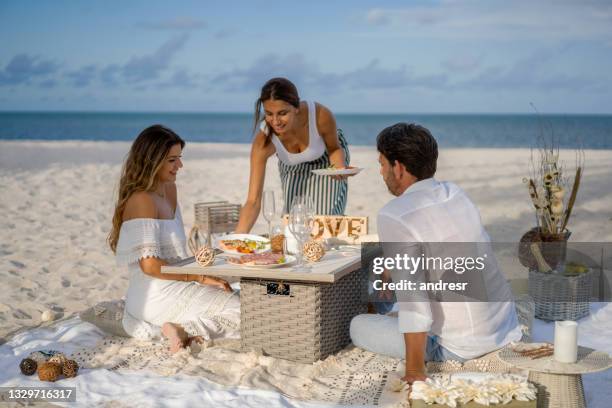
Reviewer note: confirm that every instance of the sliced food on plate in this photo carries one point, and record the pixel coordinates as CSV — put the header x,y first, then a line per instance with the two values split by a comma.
x,y
267,259
244,244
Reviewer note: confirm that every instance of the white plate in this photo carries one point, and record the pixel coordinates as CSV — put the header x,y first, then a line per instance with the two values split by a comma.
x,y
340,172
289,259
245,236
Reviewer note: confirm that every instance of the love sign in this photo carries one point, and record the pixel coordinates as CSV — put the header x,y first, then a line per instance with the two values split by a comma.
x,y
337,226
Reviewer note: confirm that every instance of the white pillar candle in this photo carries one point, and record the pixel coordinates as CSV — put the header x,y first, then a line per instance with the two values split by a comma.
x,y
566,341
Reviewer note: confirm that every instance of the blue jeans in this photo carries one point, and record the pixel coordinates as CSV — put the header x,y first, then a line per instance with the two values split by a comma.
x,y
379,334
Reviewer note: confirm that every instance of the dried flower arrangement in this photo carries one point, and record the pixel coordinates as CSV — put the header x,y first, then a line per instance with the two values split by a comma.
x,y
547,195
547,188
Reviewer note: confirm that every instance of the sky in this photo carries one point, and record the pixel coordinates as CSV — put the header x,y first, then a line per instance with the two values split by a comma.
x,y
448,56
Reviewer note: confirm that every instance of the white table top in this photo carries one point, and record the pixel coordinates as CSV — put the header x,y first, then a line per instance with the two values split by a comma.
x,y
331,268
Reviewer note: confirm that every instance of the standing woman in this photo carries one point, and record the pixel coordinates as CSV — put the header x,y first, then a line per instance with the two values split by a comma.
x,y
304,137
147,233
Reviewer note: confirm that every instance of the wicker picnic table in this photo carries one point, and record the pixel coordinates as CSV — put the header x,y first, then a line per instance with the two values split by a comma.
x,y
298,316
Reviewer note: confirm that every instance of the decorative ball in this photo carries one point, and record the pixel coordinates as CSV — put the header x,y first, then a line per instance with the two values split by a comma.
x,y
28,366
70,368
58,358
313,251
524,253
47,316
205,256
49,371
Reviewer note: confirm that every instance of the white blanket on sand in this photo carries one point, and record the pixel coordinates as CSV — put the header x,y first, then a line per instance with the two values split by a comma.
x,y
264,382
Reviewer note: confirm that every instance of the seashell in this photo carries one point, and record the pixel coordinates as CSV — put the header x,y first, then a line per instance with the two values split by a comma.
x,y
28,366
49,371
205,256
313,251
47,316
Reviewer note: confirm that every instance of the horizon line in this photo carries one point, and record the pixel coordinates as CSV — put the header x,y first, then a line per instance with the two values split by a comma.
x,y
193,112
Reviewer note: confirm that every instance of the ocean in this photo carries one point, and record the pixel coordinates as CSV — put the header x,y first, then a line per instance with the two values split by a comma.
x,y
451,130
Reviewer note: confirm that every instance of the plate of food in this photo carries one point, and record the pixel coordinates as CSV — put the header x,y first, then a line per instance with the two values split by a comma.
x,y
263,260
337,171
244,244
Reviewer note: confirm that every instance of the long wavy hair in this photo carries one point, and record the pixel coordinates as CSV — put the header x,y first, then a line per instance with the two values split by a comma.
x,y
140,169
279,89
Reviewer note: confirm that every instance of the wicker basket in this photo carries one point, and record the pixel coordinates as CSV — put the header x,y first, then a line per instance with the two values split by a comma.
x,y
559,297
300,321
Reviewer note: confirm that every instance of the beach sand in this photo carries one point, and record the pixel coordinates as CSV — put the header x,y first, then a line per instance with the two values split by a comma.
x,y
58,197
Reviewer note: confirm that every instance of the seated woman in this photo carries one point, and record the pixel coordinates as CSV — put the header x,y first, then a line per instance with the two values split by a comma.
x,y
147,232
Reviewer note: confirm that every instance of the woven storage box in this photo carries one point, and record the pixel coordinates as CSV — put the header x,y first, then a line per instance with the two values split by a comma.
x,y
306,322
559,297
212,218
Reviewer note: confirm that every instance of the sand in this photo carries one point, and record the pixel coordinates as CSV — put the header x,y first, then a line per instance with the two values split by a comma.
x,y
57,200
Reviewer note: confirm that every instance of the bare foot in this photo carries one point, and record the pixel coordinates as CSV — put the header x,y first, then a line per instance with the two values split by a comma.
x,y
176,335
195,339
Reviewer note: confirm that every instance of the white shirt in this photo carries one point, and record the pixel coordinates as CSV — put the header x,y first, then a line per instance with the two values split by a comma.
x,y
432,211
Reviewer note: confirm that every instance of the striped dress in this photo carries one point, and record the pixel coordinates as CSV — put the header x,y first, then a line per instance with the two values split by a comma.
x,y
328,195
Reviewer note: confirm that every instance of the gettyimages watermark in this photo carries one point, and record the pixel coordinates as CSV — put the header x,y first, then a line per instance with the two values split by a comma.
x,y
483,271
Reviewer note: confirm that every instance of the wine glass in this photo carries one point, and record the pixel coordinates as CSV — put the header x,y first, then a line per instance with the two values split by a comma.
x,y
307,201
300,226
269,209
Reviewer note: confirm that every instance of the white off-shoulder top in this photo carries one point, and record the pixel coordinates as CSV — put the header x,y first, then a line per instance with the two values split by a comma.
x,y
150,302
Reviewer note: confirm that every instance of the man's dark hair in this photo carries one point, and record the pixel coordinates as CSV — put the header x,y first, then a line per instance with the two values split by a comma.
x,y
412,145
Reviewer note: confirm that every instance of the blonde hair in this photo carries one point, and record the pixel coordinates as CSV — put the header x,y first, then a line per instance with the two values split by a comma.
x,y
139,171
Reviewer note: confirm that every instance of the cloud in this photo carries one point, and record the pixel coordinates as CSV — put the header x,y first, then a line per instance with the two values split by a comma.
x,y
223,34
22,68
137,71
149,67
108,74
496,19
48,83
303,73
83,76
535,71
178,23
462,63
181,79
292,66
378,17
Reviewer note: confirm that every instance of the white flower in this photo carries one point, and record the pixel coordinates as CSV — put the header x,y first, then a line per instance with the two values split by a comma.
x,y
435,391
513,387
494,390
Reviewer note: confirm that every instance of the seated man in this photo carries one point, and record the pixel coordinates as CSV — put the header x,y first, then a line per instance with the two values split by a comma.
x,y
428,211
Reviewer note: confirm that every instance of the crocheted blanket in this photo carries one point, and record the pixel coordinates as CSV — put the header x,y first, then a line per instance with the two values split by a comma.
x,y
352,376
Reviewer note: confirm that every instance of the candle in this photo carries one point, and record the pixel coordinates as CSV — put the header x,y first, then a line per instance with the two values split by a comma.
x,y
566,341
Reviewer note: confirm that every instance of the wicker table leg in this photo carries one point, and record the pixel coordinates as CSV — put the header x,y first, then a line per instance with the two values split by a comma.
x,y
558,390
